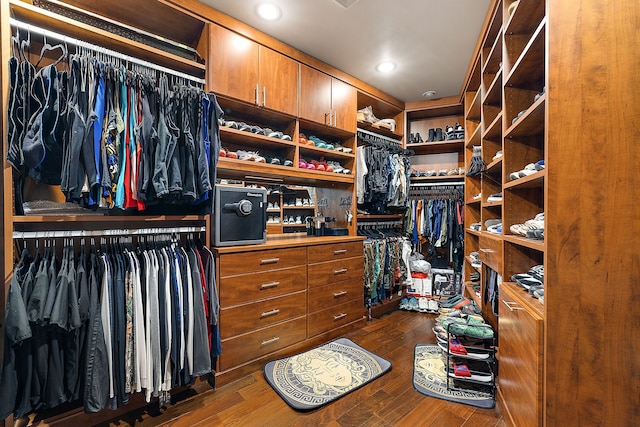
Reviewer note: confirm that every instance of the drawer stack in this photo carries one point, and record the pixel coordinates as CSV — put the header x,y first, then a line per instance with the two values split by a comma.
x,y
335,279
263,303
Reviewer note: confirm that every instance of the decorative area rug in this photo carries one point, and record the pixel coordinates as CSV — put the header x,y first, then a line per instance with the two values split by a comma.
x,y
430,379
323,374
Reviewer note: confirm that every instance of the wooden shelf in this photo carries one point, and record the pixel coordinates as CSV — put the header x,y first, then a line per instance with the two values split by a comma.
x,y
57,23
532,181
472,294
494,57
493,96
525,18
523,241
274,174
494,130
108,217
365,217
495,167
474,232
474,112
475,138
379,130
531,123
249,139
437,147
528,70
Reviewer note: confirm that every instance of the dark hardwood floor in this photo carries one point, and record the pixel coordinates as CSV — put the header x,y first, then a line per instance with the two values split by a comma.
x,y
388,401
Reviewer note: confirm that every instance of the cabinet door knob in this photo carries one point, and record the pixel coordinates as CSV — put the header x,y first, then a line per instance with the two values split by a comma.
x,y
512,305
339,316
270,312
340,252
339,294
270,341
269,261
269,285
341,271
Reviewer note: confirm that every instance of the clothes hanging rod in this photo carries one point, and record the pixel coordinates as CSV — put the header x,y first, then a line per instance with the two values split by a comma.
x,y
435,184
70,40
104,233
375,135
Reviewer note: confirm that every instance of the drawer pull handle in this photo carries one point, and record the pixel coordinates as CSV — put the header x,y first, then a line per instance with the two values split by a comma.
x,y
339,294
339,316
269,285
269,261
341,271
270,313
340,252
510,305
270,341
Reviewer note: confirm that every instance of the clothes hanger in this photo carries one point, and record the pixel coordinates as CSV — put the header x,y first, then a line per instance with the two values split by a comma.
x,y
49,48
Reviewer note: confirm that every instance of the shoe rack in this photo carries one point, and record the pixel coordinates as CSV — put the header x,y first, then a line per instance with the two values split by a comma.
x,y
537,88
439,155
288,207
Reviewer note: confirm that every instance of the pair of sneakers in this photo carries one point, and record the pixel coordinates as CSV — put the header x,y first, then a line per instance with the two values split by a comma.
x,y
529,169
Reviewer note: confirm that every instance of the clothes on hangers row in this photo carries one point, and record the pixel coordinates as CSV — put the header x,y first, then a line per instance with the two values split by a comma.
x,y
382,179
109,136
100,326
437,223
386,266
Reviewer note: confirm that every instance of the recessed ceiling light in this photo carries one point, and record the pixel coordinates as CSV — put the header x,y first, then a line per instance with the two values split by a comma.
x,y
385,67
268,11
429,93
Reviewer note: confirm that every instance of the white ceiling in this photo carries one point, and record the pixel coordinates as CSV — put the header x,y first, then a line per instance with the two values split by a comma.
x,y
431,41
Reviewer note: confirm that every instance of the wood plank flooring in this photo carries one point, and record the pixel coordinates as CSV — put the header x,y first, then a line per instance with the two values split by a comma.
x,y
388,401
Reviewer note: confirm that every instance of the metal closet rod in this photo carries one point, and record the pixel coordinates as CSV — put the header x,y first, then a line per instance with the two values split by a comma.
x,y
382,137
80,43
104,233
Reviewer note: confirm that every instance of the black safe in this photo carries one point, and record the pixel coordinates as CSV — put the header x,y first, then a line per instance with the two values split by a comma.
x,y
240,216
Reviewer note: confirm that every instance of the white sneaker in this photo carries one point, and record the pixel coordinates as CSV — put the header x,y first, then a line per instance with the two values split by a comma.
x,y
276,205
298,202
270,206
298,220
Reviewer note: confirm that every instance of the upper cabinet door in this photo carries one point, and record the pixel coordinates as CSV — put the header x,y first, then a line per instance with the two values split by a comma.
x,y
278,82
344,104
315,95
233,65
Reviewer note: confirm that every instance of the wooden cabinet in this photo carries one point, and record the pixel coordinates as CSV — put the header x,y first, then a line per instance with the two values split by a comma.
x,y
283,295
327,100
521,344
334,272
247,71
271,295
556,101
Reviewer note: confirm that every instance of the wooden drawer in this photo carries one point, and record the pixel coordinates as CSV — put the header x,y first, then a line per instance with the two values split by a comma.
x,y
322,253
334,317
245,318
334,271
491,252
521,356
321,297
245,288
241,349
250,262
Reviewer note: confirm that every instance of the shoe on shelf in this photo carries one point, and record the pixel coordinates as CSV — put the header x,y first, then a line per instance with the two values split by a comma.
x,y
539,95
529,169
498,155
497,197
269,206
